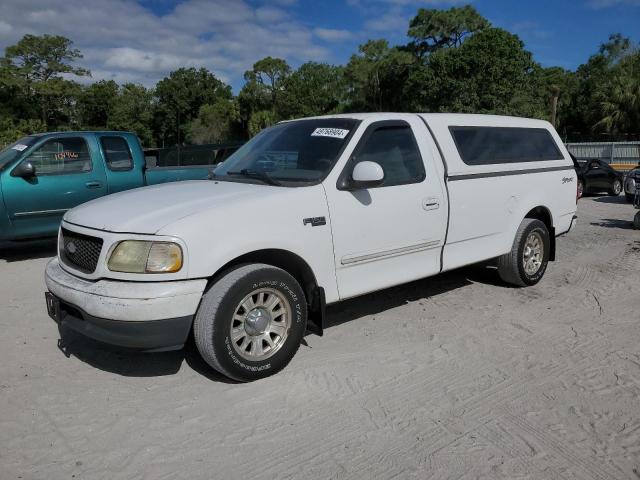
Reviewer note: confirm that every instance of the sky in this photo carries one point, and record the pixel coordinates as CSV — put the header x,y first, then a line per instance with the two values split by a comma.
x,y
142,41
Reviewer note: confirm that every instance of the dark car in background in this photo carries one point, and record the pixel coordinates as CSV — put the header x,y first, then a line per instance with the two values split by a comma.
x,y
596,176
633,179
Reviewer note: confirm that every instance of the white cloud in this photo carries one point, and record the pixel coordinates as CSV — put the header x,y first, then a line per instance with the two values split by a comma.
x,y
332,35
392,20
124,41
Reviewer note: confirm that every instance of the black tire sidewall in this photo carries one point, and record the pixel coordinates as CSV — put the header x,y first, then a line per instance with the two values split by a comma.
x,y
613,190
238,367
544,233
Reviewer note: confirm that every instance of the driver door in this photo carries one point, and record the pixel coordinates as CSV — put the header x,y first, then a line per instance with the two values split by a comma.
x,y
65,176
393,233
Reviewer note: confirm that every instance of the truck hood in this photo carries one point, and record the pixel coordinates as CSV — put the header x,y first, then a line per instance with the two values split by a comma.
x,y
147,210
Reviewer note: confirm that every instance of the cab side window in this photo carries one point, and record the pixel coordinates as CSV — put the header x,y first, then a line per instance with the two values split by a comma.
x,y
117,153
395,150
62,156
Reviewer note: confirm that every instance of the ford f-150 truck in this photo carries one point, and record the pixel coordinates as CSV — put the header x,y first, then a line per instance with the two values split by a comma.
x,y
44,175
307,213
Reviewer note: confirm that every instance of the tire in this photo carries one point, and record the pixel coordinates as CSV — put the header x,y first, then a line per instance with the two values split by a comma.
x,y
616,188
580,189
636,221
629,197
222,310
511,266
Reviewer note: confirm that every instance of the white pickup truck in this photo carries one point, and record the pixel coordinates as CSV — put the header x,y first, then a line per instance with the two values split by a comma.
x,y
308,213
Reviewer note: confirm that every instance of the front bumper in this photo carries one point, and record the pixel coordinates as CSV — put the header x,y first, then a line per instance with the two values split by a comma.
x,y
144,315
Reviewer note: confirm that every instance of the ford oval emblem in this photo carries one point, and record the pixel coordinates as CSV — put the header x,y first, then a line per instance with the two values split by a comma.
x,y
71,248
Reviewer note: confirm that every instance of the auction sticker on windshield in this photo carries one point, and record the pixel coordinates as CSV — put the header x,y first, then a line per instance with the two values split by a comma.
x,y
330,132
20,147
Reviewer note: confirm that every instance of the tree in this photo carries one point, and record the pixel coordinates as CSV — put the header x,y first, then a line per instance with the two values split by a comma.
x,y
11,130
95,103
261,120
314,89
215,123
491,72
179,98
132,111
375,74
433,29
262,91
590,80
270,73
618,100
36,64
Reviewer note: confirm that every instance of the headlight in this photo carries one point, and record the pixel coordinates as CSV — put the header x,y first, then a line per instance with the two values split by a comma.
x,y
135,256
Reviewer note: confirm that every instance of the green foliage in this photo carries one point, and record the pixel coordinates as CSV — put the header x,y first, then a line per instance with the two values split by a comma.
x,y
490,73
95,103
261,120
433,29
313,89
375,74
215,123
33,67
454,62
618,99
132,111
179,98
10,131
263,92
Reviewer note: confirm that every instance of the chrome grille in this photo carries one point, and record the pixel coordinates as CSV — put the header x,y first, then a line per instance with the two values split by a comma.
x,y
80,251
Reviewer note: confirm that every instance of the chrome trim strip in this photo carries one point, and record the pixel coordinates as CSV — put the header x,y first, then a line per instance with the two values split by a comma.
x,y
40,212
348,260
507,173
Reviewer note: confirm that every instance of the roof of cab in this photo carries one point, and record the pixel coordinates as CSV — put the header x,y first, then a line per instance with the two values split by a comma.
x,y
77,132
470,119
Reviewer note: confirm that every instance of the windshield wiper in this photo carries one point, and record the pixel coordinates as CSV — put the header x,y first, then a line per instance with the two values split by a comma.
x,y
245,172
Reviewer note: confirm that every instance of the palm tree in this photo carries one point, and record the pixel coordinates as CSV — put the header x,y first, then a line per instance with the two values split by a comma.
x,y
619,105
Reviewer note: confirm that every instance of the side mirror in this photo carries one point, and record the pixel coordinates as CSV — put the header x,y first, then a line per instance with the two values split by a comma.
x,y
366,175
24,169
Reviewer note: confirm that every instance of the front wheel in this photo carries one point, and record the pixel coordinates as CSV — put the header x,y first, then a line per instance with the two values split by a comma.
x,y
527,261
616,188
250,322
636,221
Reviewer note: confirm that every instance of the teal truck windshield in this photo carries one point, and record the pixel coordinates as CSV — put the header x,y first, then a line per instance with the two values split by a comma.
x,y
12,151
300,151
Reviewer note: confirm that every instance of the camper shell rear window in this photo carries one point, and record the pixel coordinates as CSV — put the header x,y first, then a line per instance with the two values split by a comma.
x,y
497,145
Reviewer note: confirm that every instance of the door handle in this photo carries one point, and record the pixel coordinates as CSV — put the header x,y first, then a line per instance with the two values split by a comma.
x,y
93,184
431,203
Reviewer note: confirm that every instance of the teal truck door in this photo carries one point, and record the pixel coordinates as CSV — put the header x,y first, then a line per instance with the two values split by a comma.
x,y
123,157
68,172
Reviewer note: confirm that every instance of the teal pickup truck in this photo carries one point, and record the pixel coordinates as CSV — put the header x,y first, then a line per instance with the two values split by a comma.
x,y
44,175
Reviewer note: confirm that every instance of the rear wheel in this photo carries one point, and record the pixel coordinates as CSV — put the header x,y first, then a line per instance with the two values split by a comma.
x,y
580,188
616,188
250,322
527,261
636,221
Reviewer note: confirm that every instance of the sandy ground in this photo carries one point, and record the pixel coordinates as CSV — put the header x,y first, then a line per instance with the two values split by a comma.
x,y
456,376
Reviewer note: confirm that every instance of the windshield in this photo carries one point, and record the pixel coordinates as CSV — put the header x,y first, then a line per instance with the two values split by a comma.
x,y
301,151
12,151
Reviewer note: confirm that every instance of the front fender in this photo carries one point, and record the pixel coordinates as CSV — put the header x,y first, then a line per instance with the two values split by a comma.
x,y
218,236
